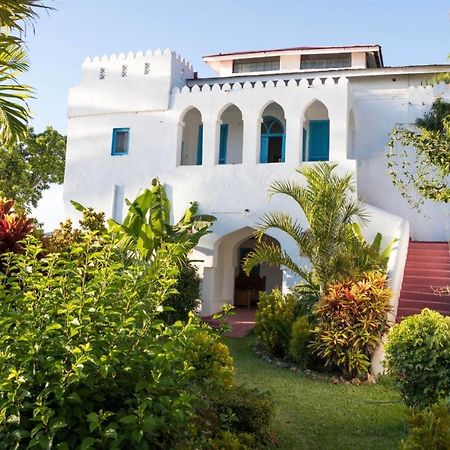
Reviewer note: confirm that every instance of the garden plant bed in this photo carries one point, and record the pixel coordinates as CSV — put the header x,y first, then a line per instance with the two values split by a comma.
x,y
314,413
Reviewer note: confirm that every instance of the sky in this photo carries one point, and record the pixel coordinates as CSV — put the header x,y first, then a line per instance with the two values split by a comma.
x,y
409,31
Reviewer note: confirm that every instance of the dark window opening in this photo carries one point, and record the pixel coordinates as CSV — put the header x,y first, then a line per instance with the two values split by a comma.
x,y
331,61
256,64
120,141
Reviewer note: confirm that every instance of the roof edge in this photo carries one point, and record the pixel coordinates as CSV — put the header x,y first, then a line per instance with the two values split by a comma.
x,y
325,47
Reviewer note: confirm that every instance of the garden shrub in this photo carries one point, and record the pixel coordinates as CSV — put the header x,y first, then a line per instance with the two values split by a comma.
x,y
274,318
85,361
418,357
352,317
187,297
247,411
63,237
300,346
227,440
429,428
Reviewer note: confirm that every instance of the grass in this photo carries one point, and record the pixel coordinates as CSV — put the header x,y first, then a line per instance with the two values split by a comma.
x,y
316,414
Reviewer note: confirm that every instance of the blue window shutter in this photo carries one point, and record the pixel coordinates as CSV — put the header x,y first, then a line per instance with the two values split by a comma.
x,y
264,151
304,145
120,141
283,148
223,143
319,140
200,145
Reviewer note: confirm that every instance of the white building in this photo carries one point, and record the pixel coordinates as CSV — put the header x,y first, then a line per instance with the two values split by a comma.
x,y
221,141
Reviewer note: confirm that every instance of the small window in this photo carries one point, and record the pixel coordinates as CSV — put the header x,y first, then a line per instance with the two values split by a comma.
x,y
124,71
120,141
256,64
146,68
101,74
329,61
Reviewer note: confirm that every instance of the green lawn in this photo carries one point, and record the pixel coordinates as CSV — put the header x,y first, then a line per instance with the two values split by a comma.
x,y
316,414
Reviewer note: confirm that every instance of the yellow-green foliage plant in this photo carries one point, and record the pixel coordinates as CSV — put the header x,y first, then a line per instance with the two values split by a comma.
x,y
274,318
301,338
418,357
352,317
429,428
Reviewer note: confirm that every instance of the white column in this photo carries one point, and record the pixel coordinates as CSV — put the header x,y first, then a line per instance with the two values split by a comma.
x,y
211,130
251,138
293,138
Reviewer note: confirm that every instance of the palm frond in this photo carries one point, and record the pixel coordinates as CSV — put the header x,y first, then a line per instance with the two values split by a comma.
x,y
272,254
14,111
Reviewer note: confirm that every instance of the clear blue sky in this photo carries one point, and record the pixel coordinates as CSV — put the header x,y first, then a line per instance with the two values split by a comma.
x,y
409,31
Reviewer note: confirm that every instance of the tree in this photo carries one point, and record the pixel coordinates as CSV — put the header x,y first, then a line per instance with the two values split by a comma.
x,y
419,160
15,15
29,167
332,243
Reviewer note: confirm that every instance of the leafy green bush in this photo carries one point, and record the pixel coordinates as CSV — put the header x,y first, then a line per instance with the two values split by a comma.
x,y
418,357
301,338
429,428
352,317
274,318
246,410
227,440
187,298
85,361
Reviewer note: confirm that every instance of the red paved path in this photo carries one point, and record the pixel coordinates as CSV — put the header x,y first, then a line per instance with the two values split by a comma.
x,y
242,322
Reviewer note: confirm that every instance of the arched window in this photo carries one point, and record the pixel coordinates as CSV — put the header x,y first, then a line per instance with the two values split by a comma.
x,y
192,139
231,136
272,140
316,133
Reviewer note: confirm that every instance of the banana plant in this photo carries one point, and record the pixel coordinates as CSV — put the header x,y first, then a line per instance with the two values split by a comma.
x,y
147,226
374,248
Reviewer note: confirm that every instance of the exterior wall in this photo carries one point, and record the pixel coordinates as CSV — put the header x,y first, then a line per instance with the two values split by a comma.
x,y
378,106
154,107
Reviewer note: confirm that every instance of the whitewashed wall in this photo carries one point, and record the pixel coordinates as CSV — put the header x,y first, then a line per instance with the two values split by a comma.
x,y
154,108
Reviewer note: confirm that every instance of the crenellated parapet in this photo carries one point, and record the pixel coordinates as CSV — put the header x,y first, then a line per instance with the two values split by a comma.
x,y
124,66
129,82
302,83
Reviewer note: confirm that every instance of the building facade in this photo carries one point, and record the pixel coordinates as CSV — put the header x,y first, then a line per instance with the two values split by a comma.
x,y
221,141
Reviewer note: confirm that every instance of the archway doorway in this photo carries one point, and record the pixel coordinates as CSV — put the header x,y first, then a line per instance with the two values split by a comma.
x,y
263,278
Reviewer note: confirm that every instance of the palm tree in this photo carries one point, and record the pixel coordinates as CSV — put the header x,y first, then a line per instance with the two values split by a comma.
x,y
15,16
333,245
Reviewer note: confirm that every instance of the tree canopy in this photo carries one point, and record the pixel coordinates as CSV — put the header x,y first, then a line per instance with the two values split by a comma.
x,y
419,160
29,167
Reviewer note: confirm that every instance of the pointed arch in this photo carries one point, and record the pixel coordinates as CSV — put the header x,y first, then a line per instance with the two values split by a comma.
x,y
231,135
316,132
191,146
231,284
272,133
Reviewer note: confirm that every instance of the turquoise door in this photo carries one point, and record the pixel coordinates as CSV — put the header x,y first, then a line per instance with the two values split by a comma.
x,y
223,143
272,148
264,151
200,145
319,140
304,145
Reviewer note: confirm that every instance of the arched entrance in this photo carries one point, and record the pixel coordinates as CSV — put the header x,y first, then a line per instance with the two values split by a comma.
x,y
225,277
263,278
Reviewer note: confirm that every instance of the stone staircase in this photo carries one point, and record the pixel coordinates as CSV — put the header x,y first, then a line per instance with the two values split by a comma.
x,y
427,268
